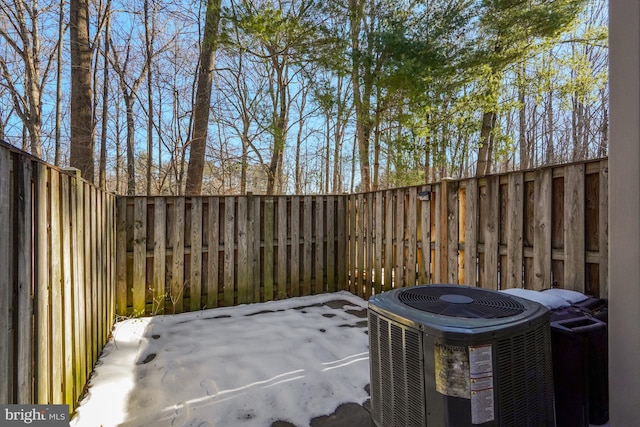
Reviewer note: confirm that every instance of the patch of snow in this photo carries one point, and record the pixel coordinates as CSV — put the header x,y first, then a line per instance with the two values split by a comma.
x,y
242,366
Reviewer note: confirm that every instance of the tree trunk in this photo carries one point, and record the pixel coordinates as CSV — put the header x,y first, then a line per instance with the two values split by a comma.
x,y
82,144
361,101
483,165
604,138
195,169
550,140
522,130
280,125
102,168
149,39
58,131
131,159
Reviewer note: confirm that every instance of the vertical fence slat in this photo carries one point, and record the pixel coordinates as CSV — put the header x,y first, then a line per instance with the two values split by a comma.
x,y
6,251
121,253
352,263
424,261
229,247
490,230
319,252
257,279
399,280
67,294
307,260
111,258
388,240
268,251
295,247
139,255
342,243
542,195
43,325
331,244
603,229
452,220
243,261
81,286
88,278
24,248
378,241
412,227
282,248
213,245
102,254
95,269
77,252
177,275
57,366
471,233
439,234
159,253
515,217
195,279
370,233
574,220
361,249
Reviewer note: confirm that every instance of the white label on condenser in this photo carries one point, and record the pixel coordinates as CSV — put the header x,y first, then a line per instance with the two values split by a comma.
x,y
481,383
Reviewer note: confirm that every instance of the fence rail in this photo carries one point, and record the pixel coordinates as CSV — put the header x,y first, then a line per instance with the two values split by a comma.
x,y
57,278
534,229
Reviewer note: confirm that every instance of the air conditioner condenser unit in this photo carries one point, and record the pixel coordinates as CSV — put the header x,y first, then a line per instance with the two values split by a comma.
x,y
455,356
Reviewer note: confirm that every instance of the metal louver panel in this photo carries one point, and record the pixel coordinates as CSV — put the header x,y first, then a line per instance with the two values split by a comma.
x,y
397,374
525,390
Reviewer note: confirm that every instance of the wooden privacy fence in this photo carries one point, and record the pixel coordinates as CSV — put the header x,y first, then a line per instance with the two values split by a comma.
x,y
73,255
180,254
57,276
535,229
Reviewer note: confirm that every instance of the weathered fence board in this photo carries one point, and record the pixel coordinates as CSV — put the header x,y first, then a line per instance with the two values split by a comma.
x,y
6,250
603,230
42,322
267,255
330,238
471,233
307,235
213,245
282,248
574,231
514,241
424,225
47,314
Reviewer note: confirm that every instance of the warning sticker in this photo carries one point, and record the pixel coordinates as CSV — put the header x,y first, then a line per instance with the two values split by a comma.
x,y
482,406
452,370
481,383
480,359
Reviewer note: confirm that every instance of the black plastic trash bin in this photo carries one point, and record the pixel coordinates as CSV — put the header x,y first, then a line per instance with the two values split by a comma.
x,y
579,353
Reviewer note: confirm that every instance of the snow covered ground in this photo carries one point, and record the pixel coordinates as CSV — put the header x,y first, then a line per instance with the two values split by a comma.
x,y
290,360
245,366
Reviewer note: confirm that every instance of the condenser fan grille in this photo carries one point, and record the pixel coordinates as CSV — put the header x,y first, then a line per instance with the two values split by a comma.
x,y
461,301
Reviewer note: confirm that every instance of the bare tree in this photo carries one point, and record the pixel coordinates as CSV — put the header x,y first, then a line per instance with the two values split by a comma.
x,y
20,30
203,98
82,126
